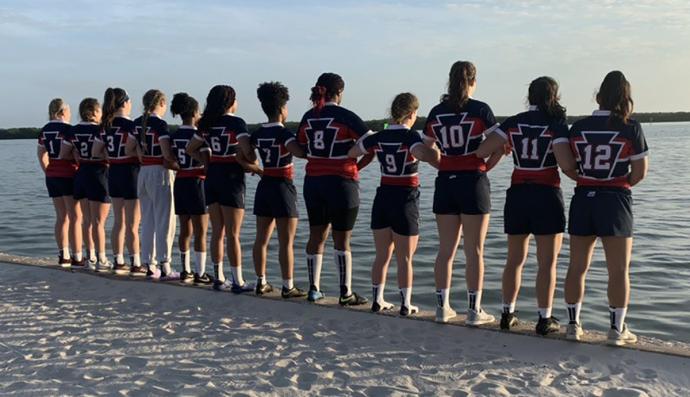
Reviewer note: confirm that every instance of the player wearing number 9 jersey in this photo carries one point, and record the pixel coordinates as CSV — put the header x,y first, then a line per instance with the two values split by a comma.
x,y
534,202
608,155
461,197
395,214
331,188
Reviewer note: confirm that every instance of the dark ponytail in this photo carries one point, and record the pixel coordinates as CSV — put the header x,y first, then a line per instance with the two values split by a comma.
x,y
113,100
460,78
218,101
543,93
152,98
615,95
184,105
328,86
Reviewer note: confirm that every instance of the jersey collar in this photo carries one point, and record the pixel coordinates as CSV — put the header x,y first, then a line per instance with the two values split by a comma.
x,y
187,127
87,123
533,108
396,127
601,113
229,114
273,124
331,104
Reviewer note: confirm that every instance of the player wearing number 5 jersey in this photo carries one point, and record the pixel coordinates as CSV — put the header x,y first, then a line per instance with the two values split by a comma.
x,y
331,188
123,173
395,214
461,197
534,202
608,155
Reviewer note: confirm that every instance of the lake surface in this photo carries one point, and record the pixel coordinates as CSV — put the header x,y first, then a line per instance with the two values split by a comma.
x,y
660,272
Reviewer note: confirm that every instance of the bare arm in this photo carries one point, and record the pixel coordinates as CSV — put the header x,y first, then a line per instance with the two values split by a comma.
x,y
365,160
246,148
565,159
491,145
42,154
132,148
355,152
250,166
495,158
98,150
296,149
427,154
638,170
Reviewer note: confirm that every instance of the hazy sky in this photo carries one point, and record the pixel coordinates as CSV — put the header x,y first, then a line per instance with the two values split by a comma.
x,y
75,49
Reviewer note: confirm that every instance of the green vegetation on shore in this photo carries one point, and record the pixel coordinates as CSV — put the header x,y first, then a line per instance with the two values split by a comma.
x,y
375,125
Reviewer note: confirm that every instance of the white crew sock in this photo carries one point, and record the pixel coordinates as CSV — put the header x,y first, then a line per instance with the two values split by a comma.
x,y
377,290
314,264
406,295
218,270
475,299
509,307
92,255
617,315
442,297
136,259
186,261
103,257
261,280
237,275
78,256
574,312
166,268
119,259
344,261
64,253
200,262
545,312
288,283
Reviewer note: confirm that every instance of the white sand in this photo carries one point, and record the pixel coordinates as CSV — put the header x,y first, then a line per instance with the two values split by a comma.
x,y
74,334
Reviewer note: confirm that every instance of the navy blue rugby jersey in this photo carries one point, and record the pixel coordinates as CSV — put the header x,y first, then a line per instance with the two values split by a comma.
x,y
530,135
82,136
603,148
271,139
459,134
223,137
189,167
156,130
115,140
50,138
393,147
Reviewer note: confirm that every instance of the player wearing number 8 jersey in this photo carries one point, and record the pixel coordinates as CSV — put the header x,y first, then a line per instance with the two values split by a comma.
x,y
331,188
608,155
461,197
534,202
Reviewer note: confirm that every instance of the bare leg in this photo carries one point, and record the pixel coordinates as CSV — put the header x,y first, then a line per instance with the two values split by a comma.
x,y
317,239
383,239
618,251
581,249
405,247
86,227
61,224
75,226
449,227
233,222
217,236
117,236
476,227
264,230
512,274
200,223
132,221
99,214
548,248
185,233
287,228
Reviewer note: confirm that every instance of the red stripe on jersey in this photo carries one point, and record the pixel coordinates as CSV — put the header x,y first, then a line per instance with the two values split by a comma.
x,y
193,173
408,181
346,168
102,162
549,177
283,172
126,160
61,168
468,162
148,160
620,182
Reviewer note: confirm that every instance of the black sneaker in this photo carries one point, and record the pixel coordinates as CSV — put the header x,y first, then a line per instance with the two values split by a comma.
x,y
379,307
186,277
204,279
547,326
508,320
78,264
262,289
293,292
353,299
63,262
121,269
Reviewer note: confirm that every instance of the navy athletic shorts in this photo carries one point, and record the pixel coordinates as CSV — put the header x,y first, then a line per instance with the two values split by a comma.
x,y
533,209
396,207
189,196
331,200
122,181
59,186
225,185
601,212
465,192
275,198
91,183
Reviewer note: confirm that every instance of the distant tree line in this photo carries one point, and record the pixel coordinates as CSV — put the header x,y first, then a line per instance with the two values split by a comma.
x,y
376,125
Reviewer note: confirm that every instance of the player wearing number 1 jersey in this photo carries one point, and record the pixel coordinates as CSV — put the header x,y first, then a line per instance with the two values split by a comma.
x,y
331,188
608,155
534,202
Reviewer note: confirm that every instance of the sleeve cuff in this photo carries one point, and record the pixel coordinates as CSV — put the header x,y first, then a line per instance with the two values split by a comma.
x,y
198,137
243,134
163,137
287,141
561,140
205,149
491,129
360,145
639,156
415,144
501,133
366,134
68,143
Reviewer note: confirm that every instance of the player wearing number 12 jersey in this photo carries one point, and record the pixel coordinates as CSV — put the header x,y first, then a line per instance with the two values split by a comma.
x,y
331,188
534,202
609,153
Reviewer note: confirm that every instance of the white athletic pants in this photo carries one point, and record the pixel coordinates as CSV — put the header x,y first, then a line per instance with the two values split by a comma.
x,y
155,186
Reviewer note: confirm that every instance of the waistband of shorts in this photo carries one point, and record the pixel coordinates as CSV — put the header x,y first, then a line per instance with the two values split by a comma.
x,y
269,178
467,173
532,186
398,188
611,189
329,178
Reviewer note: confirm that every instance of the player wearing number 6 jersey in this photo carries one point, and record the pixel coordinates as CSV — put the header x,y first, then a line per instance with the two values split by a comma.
x,y
395,214
461,198
608,155
534,202
331,188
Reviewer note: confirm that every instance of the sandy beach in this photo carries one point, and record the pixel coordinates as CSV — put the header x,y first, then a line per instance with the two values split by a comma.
x,y
65,333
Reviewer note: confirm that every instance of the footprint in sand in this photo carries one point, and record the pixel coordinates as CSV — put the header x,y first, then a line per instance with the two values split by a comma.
x,y
624,392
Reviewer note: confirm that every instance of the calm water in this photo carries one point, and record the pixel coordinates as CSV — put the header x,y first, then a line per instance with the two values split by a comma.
x,y
660,272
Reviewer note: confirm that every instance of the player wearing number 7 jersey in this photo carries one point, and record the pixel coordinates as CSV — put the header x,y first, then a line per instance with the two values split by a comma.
x,y
461,198
608,155
331,188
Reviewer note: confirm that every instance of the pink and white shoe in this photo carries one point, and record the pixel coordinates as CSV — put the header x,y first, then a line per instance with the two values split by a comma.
x,y
172,276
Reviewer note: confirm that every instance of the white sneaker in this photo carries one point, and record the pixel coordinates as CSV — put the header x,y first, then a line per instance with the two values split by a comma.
x,y
620,338
103,267
574,332
445,313
92,264
381,306
408,310
480,317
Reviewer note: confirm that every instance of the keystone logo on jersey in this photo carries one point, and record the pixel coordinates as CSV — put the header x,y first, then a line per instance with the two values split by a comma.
x,y
114,143
393,160
598,154
532,147
321,138
454,134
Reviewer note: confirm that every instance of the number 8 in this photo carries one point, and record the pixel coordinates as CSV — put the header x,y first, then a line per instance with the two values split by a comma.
x,y
318,140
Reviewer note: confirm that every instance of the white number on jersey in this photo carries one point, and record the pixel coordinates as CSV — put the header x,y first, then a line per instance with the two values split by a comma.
x,y
602,157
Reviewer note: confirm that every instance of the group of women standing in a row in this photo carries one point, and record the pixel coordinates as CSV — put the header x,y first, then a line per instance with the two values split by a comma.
x,y
108,157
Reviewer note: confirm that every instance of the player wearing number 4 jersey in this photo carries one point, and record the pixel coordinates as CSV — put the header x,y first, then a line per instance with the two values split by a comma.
x,y
331,188
395,214
534,202
607,156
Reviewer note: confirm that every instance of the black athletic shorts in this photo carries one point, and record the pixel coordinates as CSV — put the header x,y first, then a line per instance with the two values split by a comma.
x,y
275,198
601,212
331,200
225,185
59,186
533,209
91,183
189,196
122,181
466,192
396,207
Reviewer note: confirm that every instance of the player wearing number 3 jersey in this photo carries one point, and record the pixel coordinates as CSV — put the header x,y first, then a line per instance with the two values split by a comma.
x,y
608,151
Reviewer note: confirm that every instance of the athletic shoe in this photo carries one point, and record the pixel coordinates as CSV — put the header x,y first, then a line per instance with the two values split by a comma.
x,y
445,313
121,269
378,307
353,299
508,321
315,295
480,317
574,331
92,264
104,267
293,292
222,285
263,289
620,338
137,271
172,276
154,274
406,311
75,264
240,289
204,279
186,278
66,263
547,326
